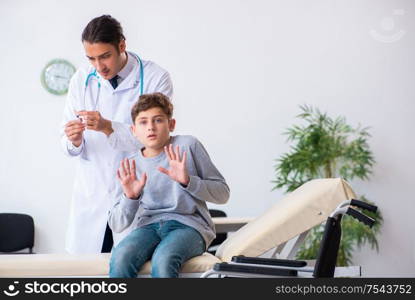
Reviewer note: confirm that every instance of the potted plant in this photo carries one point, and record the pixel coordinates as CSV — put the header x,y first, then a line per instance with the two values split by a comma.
x,y
324,147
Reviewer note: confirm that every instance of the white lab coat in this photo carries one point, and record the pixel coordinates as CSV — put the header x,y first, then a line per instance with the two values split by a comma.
x,y
96,186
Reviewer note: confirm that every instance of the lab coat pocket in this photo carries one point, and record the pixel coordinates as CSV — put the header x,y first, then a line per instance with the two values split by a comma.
x,y
87,180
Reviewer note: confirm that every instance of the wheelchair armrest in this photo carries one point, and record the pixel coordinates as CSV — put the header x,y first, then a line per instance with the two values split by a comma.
x,y
236,268
269,261
364,205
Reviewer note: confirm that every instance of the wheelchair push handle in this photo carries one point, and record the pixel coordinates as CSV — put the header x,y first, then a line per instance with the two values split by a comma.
x,y
363,205
360,216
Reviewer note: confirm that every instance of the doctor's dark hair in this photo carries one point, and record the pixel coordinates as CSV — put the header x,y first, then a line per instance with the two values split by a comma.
x,y
147,101
103,29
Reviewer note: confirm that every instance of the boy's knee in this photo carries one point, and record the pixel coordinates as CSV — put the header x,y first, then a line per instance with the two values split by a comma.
x,y
120,261
165,266
119,254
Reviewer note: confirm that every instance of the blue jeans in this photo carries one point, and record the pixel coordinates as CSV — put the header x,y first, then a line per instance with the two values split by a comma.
x,y
167,243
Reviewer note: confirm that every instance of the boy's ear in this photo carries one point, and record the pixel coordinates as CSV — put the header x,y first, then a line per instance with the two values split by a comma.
x,y
132,127
172,124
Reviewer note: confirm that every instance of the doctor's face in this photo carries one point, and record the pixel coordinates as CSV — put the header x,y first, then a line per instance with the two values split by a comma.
x,y
105,58
152,128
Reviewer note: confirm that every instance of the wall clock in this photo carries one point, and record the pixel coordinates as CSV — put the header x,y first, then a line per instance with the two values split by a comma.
x,y
56,75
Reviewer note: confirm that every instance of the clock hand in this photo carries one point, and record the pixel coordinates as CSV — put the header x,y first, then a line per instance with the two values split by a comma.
x,y
58,76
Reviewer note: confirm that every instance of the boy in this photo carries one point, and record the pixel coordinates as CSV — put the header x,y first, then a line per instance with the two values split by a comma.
x,y
168,182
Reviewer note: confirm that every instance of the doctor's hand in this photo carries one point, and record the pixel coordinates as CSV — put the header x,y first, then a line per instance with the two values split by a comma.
x,y
126,174
95,121
178,171
74,130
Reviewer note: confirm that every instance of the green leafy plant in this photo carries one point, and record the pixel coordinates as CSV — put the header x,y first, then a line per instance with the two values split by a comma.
x,y
327,148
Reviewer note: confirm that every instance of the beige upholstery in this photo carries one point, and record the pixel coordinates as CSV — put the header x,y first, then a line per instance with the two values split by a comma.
x,y
62,265
40,265
306,207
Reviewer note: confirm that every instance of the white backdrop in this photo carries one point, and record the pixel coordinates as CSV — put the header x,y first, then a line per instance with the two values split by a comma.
x,y
240,70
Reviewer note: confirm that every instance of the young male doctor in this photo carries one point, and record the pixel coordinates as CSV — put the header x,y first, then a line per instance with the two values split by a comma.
x,y
96,127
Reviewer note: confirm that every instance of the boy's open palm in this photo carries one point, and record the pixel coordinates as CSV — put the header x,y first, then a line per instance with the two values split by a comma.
x,y
126,174
177,171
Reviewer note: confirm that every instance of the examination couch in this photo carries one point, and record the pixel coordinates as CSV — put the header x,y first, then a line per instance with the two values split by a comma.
x,y
290,217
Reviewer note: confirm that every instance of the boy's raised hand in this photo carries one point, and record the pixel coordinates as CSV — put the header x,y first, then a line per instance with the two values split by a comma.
x,y
126,174
178,171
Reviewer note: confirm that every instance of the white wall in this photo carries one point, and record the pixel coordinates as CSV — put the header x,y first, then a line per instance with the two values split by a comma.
x,y
240,70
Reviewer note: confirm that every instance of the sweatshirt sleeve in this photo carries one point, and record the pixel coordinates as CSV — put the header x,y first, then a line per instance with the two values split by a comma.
x,y
209,185
122,214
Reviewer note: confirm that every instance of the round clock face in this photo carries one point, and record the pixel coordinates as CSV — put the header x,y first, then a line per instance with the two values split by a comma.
x,y
56,76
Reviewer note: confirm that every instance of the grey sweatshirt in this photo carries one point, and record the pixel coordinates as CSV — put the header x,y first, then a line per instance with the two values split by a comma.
x,y
165,199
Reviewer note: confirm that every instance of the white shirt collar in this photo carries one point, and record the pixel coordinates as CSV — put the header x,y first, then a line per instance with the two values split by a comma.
x,y
129,66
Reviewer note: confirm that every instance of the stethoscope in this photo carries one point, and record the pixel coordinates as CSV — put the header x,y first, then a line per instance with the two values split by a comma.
x,y
95,75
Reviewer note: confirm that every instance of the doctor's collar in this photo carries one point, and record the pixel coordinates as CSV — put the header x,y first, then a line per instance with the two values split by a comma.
x,y
129,66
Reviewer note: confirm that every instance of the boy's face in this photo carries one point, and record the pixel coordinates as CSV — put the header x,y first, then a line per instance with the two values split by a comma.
x,y
105,58
152,128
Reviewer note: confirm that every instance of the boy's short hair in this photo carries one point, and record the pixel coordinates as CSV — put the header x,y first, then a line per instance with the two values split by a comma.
x,y
147,101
